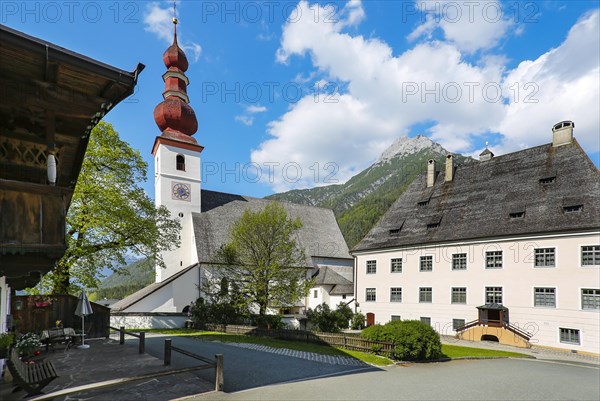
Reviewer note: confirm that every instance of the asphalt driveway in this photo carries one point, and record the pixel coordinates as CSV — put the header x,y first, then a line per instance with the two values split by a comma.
x,y
244,368
491,379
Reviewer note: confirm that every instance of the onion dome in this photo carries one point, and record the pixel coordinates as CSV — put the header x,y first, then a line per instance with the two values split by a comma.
x,y
174,116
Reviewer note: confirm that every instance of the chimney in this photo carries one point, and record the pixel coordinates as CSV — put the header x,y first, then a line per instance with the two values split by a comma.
x,y
430,173
449,168
562,133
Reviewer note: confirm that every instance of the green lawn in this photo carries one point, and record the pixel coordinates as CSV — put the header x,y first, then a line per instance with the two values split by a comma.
x,y
456,351
449,351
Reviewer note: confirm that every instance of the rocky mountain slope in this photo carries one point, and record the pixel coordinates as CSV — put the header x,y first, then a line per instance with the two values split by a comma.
x,y
359,203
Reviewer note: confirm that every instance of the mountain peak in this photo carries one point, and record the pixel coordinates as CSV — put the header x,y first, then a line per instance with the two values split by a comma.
x,y
406,146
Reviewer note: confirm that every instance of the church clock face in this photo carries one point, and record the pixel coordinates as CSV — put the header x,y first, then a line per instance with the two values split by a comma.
x,y
181,191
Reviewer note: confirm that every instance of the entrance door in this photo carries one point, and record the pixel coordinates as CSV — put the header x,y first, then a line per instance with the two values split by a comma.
x,y
370,319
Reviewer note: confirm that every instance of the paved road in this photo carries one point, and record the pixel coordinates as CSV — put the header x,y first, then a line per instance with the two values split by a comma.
x,y
245,368
498,379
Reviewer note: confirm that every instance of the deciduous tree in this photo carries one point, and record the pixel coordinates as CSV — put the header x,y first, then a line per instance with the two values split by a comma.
x,y
110,214
263,259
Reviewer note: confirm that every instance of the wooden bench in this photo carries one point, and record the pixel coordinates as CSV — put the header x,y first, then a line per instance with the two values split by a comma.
x,y
31,378
58,336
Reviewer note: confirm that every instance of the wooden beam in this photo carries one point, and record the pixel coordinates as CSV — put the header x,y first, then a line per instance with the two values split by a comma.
x,y
27,187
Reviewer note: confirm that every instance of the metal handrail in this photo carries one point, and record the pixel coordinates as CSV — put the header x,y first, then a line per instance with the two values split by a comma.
x,y
217,363
141,336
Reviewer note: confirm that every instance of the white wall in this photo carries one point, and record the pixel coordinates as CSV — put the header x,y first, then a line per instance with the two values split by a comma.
x,y
4,304
166,174
147,321
518,277
172,297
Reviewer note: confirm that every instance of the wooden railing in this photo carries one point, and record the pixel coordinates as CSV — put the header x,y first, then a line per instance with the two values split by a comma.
x,y
510,327
347,341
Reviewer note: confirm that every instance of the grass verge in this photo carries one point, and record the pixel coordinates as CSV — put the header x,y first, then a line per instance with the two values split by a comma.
x,y
448,351
456,351
275,343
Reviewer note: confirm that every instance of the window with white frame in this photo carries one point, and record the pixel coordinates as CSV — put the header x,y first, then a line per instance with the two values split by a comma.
x,y
493,260
569,336
459,261
459,295
426,320
544,257
371,266
425,294
493,295
371,295
395,294
396,318
544,296
396,265
457,323
426,264
590,255
590,298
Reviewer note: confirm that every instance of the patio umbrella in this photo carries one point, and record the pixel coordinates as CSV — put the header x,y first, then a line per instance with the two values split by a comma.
x,y
83,309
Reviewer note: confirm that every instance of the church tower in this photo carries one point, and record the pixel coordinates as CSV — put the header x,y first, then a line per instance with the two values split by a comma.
x,y
177,158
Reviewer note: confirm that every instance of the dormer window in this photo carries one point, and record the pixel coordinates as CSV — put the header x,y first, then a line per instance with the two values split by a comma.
x,y
423,203
180,162
432,226
573,208
547,180
517,215
395,231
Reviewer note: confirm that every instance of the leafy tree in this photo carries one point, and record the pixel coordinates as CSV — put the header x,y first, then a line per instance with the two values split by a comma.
x,y
324,319
263,260
110,214
343,315
358,321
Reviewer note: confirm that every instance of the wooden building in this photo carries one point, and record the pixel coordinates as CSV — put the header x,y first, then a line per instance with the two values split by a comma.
x,y
50,100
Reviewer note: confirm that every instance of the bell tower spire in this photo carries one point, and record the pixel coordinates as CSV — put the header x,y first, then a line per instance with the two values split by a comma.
x,y
177,158
174,116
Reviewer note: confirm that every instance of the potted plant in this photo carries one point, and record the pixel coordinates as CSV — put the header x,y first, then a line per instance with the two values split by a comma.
x,y
6,340
28,344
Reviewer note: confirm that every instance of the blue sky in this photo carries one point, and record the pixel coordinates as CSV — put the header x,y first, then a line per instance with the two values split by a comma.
x,y
298,94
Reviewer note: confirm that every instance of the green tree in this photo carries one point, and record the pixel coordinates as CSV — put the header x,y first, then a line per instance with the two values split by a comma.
x,y
110,215
263,260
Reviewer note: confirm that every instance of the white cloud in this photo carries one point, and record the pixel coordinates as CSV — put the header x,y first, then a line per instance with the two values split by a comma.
x,y
159,21
470,25
256,109
247,118
561,84
384,96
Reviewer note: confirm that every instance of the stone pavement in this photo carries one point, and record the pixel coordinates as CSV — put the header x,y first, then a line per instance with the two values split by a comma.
x,y
309,356
106,360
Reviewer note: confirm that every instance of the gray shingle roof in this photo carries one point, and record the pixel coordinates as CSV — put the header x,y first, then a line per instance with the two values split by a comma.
x,y
149,289
320,235
332,275
479,202
342,289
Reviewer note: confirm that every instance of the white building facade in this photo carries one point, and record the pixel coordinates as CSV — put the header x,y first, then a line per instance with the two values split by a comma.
x,y
518,233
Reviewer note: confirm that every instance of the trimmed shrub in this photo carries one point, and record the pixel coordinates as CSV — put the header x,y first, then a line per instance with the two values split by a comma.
x,y
413,340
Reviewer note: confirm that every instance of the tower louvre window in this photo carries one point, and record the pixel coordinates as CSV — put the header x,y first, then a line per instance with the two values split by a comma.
x,y
180,160
573,208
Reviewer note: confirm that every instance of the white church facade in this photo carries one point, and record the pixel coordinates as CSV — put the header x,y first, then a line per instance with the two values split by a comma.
x,y
206,216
